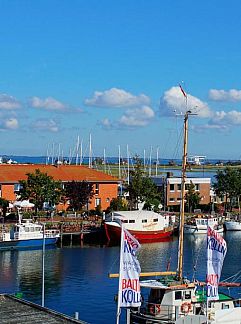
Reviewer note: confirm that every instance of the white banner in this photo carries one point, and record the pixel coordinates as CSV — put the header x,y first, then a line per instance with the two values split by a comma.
x,y
216,251
129,286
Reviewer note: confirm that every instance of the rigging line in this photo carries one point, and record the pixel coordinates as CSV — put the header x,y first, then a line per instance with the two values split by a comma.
x,y
233,276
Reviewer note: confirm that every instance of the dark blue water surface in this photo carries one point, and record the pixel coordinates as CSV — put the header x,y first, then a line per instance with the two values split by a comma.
x,y
76,278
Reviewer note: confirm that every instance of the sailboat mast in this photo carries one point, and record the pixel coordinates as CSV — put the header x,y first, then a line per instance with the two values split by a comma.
x,y
181,224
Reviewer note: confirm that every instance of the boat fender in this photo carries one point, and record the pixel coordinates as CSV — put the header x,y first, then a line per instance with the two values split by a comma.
x,y
155,309
186,307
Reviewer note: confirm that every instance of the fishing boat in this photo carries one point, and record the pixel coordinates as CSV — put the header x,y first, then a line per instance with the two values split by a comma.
x,y
145,225
173,298
198,225
27,234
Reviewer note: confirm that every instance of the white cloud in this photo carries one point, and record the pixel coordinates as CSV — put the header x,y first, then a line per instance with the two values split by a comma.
x,y
11,123
116,98
8,102
222,95
138,117
106,123
45,125
230,118
173,102
48,103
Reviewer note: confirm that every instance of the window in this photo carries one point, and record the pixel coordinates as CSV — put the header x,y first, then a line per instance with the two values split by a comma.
x,y
188,294
132,221
197,187
172,199
97,202
155,220
172,187
17,187
144,221
179,199
125,221
179,187
96,188
187,186
178,295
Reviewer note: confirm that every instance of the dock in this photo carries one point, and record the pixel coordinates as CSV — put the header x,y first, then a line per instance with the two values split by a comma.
x,y
15,310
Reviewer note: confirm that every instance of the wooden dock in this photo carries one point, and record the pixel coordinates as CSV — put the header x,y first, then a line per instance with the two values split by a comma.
x,y
18,311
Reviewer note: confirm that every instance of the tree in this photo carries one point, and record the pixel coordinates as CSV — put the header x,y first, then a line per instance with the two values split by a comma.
x,y
141,187
39,188
78,193
228,185
4,205
118,203
192,197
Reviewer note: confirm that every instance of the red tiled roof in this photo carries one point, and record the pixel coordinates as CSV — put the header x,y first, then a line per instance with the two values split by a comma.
x,y
14,172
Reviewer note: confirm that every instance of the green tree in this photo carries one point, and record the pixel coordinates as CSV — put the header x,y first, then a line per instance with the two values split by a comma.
x,y
4,205
228,185
118,203
192,197
39,188
78,193
141,187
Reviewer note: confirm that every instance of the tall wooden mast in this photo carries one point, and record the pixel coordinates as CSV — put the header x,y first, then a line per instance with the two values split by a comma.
x,y
182,206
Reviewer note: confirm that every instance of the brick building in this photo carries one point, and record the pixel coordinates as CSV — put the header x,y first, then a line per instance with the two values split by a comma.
x,y
171,186
105,186
173,190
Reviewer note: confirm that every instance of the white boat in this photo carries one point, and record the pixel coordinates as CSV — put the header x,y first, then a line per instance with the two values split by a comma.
x,y
198,225
146,226
26,234
232,225
174,299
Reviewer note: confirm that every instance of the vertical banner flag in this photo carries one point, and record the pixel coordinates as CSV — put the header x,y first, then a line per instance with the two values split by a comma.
x,y
216,251
129,286
183,92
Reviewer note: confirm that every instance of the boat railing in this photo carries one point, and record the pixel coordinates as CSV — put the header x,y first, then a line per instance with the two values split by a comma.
x,y
154,310
52,233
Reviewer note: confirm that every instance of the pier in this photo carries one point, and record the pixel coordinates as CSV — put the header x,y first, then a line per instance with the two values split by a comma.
x,y
15,310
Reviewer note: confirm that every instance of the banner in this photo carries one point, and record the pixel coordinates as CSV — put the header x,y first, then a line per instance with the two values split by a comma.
x,y
129,294
216,251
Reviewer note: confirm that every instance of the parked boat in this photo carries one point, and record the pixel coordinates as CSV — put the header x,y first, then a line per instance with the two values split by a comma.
x,y
173,298
146,226
26,234
198,225
232,225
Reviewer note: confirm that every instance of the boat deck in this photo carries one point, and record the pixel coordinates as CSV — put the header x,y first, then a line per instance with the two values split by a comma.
x,y
14,310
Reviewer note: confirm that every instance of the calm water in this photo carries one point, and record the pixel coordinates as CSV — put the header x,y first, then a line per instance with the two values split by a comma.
x,y
77,277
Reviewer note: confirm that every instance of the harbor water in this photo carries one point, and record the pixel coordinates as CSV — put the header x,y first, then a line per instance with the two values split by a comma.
x,y
76,277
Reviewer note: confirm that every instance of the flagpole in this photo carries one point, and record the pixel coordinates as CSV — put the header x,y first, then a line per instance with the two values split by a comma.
x,y
118,313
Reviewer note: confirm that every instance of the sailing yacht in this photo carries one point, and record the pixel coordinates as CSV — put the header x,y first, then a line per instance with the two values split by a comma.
x,y
175,299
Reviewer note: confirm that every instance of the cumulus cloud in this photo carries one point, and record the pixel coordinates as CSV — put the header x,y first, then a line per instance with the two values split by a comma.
x,y
48,103
8,102
222,95
174,101
116,98
138,117
11,123
221,121
106,123
45,125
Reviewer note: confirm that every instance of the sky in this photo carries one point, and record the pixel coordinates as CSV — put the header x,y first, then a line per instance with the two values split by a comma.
x,y
113,69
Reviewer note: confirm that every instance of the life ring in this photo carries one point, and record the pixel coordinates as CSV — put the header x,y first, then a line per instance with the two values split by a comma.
x,y
186,307
155,309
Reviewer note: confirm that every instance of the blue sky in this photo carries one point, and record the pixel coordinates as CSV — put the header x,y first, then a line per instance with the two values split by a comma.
x,y
112,69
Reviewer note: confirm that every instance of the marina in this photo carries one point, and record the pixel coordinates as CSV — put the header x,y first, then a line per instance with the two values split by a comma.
x,y
76,278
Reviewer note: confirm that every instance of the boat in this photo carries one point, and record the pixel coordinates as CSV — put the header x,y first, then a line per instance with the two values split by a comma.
x,y
199,224
27,234
172,298
232,225
145,225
